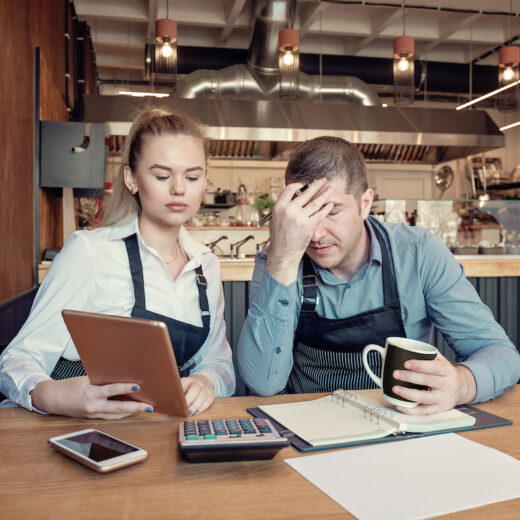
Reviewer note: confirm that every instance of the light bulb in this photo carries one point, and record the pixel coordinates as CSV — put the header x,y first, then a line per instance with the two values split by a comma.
x,y
508,73
166,49
288,58
403,64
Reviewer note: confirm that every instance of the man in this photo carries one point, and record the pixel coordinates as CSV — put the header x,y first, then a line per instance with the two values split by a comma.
x,y
335,279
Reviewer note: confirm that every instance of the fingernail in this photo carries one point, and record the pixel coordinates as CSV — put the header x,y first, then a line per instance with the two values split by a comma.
x,y
135,388
407,364
149,409
397,374
190,413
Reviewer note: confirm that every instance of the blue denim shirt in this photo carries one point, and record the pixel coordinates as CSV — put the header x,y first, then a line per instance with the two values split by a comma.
x,y
433,290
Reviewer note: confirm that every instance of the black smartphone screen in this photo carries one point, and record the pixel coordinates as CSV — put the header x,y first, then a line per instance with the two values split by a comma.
x,y
97,446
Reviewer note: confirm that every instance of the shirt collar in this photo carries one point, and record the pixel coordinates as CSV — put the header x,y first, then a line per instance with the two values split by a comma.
x,y
191,247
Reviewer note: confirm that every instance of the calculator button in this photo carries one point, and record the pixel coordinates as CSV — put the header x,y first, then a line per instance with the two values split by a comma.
x,y
210,436
192,437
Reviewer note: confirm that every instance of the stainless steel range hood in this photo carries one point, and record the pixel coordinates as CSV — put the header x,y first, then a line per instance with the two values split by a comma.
x,y
267,129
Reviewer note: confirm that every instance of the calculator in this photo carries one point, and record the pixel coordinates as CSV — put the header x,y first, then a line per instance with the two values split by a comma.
x,y
229,439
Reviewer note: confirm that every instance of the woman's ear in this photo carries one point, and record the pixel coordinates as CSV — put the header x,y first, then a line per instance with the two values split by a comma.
x,y
129,178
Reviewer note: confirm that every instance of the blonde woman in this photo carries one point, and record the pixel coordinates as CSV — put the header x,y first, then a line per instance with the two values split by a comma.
x,y
141,263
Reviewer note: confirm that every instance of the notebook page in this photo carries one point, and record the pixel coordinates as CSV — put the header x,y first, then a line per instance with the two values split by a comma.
x,y
321,422
459,473
420,423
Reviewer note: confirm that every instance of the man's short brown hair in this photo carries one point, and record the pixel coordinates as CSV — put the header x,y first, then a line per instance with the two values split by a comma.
x,y
329,157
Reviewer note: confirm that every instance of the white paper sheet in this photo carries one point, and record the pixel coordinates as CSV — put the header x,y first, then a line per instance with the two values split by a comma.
x,y
415,478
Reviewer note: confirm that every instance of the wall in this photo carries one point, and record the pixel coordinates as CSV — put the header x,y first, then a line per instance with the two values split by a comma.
x,y
28,24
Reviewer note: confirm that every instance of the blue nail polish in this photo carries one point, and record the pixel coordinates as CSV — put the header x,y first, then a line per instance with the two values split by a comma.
x,y
135,388
190,413
149,409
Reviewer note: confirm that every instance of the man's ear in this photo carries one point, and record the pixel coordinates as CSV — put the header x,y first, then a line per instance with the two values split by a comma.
x,y
366,203
129,179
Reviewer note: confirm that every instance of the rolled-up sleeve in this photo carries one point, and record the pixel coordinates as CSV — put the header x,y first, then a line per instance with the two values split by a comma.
x,y
265,347
34,352
466,323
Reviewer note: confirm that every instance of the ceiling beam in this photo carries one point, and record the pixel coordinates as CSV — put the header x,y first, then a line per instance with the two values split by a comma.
x,y
231,17
307,14
378,23
448,26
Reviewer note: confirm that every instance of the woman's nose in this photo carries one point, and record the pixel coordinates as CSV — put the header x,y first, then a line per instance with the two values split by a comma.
x,y
177,186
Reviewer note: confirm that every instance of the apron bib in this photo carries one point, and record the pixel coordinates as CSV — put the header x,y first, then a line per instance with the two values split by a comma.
x,y
186,338
327,353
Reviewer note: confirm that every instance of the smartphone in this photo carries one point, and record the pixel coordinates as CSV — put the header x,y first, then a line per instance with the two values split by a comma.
x,y
98,450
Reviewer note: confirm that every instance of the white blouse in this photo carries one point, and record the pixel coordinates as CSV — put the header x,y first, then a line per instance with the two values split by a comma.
x,y
91,273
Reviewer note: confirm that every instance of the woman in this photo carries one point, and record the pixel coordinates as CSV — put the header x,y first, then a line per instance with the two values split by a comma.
x,y
142,263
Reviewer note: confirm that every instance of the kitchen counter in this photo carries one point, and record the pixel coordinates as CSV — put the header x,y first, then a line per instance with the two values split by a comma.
x,y
476,266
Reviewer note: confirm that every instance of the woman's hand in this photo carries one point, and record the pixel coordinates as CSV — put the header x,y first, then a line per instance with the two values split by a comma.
x,y
199,392
76,397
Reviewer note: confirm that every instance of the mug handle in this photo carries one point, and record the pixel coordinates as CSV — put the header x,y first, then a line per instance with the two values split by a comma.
x,y
366,350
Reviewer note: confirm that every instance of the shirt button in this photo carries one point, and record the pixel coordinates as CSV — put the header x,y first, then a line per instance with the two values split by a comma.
x,y
278,350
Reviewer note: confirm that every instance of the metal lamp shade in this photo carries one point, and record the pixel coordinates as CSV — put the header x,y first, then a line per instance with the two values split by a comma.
x,y
509,72
289,63
404,50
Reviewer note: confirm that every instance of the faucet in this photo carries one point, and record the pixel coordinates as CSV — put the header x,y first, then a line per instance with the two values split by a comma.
x,y
212,245
233,248
262,245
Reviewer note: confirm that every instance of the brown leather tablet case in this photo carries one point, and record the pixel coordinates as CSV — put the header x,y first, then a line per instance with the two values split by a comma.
x,y
117,349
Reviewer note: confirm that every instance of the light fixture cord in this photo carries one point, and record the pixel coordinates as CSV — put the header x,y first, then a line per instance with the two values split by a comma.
x,y
167,7
404,19
509,20
470,61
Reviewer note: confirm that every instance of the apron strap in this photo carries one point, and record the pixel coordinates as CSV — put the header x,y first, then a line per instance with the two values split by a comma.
x,y
202,283
136,269
390,293
310,297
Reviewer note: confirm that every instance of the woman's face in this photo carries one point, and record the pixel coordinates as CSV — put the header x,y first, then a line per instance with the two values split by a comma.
x,y
170,179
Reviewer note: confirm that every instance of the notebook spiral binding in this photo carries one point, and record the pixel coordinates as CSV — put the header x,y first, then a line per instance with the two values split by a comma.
x,y
371,411
340,396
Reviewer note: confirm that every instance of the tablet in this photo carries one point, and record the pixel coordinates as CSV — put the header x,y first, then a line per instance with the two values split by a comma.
x,y
117,349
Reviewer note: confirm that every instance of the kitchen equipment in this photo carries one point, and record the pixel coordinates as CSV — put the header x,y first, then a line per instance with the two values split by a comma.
x,y
444,179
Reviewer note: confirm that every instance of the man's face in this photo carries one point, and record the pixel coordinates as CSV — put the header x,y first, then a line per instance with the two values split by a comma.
x,y
339,240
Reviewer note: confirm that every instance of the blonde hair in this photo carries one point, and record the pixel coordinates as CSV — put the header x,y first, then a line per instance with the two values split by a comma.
x,y
123,205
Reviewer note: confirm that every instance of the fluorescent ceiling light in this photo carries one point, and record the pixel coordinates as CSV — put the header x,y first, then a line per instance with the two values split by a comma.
x,y
142,94
489,94
507,127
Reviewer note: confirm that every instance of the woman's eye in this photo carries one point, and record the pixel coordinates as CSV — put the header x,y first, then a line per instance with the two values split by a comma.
x,y
192,179
162,177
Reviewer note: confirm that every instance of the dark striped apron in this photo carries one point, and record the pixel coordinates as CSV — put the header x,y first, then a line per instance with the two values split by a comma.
x,y
186,338
327,353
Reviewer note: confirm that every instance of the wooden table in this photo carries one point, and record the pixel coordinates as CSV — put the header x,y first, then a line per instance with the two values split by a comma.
x,y
37,482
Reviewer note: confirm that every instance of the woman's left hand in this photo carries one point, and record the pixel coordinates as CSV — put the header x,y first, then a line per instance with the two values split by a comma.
x,y
199,392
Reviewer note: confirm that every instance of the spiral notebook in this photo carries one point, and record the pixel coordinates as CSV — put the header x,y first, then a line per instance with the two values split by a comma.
x,y
346,417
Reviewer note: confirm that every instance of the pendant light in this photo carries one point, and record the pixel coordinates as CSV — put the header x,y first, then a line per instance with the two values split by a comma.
x,y
404,51
163,63
508,72
289,63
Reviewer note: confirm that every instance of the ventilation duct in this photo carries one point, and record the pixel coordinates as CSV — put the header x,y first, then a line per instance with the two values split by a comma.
x,y
259,78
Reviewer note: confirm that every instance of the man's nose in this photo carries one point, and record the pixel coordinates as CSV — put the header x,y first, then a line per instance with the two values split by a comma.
x,y
319,232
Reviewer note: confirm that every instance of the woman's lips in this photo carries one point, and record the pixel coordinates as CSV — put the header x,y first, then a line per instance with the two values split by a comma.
x,y
177,206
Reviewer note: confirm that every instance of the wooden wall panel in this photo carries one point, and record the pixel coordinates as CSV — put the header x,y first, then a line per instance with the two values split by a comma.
x,y
50,37
29,23
16,151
